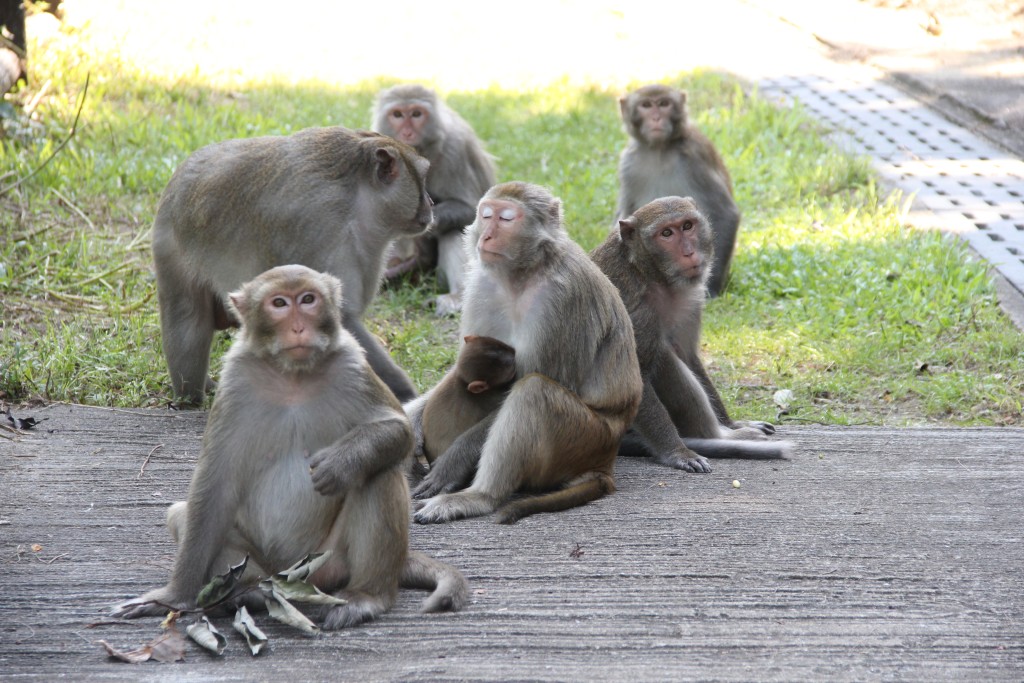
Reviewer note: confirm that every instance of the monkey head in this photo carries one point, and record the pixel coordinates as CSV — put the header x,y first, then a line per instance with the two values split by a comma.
x,y
406,113
516,225
672,237
654,114
291,316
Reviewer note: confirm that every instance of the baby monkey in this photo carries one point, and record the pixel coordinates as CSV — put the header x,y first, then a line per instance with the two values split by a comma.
x,y
484,371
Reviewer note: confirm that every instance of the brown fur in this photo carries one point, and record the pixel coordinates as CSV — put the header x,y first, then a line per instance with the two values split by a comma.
x,y
662,285
558,429
329,198
303,452
684,162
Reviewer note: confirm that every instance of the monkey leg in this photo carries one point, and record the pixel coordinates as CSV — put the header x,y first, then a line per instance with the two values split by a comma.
x,y
372,534
451,268
455,467
543,437
187,323
679,390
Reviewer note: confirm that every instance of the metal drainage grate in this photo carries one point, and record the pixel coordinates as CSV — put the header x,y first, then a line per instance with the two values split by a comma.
x,y
973,188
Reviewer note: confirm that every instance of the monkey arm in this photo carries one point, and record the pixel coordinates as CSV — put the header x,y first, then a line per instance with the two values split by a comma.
x,y
451,215
454,469
379,359
364,452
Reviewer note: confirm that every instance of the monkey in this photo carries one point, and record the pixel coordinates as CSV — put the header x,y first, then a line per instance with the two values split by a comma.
x,y
460,172
578,383
305,450
329,198
668,156
659,260
475,388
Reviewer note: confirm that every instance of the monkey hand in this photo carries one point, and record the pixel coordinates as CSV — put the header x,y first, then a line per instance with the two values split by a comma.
x,y
329,472
434,484
155,603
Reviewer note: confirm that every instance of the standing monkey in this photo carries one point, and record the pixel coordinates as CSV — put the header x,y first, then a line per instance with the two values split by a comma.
x,y
668,156
329,198
659,259
578,388
460,172
474,389
305,451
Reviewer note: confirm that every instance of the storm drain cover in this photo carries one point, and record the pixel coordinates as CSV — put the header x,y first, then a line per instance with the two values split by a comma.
x,y
972,187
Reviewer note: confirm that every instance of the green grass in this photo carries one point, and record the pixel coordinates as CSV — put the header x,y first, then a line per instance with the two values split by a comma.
x,y
862,319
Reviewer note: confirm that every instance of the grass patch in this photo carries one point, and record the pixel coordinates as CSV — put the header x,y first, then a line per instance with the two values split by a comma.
x,y
865,321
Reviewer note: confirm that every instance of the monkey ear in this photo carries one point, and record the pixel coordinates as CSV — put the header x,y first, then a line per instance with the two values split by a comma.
x,y
555,211
477,386
387,166
237,303
627,228
470,338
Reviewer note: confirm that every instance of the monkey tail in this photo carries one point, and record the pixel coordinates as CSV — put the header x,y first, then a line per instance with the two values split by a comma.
x,y
745,450
449,586
582,490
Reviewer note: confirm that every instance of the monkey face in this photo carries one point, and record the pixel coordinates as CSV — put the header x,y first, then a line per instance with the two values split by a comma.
x,y
500,221
656,118
408,121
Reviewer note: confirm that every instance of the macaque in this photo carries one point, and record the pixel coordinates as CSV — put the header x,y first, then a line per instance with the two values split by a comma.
x,y
460,172
305,450
578,382
473,390
668,156
329,198
659,259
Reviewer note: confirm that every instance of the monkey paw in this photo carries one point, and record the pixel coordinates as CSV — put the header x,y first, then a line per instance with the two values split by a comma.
x,y
447,305
448,507
750,431
766,428
359,609
692,463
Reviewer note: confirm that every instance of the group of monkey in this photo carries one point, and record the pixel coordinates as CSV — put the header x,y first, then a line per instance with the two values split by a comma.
x,y
566,359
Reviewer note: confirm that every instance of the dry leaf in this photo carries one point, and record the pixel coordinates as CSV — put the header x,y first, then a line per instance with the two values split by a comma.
x,y
206,634
245,625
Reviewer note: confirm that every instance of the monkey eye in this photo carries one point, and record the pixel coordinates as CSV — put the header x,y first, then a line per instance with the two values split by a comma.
x,y
416,113
396,114
486,212
663,103
308,298
507,214
688,225
667,232
278,302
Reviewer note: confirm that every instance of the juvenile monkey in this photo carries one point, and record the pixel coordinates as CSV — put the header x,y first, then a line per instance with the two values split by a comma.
x,y
460,173
304,451
474,389
578,381
668,156
658,260
329,198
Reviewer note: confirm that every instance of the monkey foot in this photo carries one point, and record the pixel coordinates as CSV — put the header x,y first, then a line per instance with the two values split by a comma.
x,y
697,463
446,305
449,507
359,609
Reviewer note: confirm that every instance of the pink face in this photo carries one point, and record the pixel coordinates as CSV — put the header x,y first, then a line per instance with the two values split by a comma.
x,y
678,239
656,117
500,221
294,315
407,122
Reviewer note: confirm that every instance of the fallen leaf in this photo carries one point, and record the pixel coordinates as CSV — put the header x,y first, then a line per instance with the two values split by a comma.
x,y
245,625
301,570
221,586
285,612
167,647
207,635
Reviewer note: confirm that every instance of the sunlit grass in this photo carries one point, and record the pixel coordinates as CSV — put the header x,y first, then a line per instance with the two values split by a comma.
x,y
831,297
